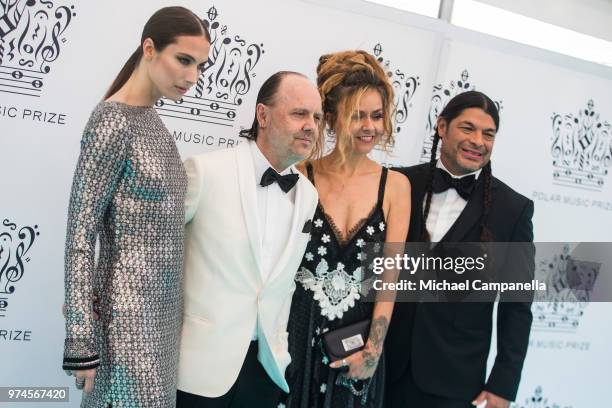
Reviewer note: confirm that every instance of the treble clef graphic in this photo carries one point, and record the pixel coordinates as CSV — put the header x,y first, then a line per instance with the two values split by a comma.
x,y
12,269
5,241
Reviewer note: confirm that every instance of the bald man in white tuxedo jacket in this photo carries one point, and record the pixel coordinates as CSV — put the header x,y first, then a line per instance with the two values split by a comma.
x,y
248,222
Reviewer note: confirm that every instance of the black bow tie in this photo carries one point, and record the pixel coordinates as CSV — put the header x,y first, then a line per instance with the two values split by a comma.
x,y
442,181
285,182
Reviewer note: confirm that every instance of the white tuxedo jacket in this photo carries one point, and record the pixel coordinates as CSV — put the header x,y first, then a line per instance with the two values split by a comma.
x,y
224,295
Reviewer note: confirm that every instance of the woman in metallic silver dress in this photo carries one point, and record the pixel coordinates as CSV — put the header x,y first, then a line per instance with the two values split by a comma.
x,y
128,192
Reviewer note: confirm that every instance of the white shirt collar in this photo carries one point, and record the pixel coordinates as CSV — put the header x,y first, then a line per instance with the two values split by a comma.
x,y
440,165
261,164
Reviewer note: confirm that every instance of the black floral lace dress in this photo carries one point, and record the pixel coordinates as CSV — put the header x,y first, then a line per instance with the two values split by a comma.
x,y
327,297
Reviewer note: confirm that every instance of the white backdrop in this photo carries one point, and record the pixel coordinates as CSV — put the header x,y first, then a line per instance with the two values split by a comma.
x,y
76,48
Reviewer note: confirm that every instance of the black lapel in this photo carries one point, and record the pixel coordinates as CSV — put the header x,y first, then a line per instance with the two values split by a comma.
x,y
470,215
418,183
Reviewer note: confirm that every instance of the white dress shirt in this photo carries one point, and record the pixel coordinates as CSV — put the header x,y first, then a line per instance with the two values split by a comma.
x,y
445,208
275,210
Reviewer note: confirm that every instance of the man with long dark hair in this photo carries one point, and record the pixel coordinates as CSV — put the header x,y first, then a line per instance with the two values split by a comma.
x,y
437,352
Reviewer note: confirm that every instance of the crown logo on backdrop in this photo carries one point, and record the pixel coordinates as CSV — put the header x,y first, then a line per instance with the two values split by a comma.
x,y
581,149
569,285
14,247
537,400
31,36
441,96
226,79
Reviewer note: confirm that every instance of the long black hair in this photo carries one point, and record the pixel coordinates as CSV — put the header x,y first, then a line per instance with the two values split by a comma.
x,y
466,100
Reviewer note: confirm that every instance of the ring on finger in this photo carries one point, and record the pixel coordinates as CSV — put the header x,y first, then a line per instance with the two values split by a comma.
x,y
79,383
344,363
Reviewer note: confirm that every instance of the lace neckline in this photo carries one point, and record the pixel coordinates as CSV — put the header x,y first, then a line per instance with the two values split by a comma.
x,y
342,240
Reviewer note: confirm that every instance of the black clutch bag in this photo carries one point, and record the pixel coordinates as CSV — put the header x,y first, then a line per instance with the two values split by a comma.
x,y
347,340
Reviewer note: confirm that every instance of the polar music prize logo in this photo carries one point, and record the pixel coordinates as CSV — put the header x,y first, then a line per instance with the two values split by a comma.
x,y
442,93
225,80
581,149
538,400
31,37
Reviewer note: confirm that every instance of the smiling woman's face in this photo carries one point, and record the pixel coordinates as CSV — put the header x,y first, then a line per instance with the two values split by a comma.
x,y
175,69
467,141
366,124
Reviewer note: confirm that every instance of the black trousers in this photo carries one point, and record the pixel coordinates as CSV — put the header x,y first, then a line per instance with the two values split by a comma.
x,y
253,388
404,393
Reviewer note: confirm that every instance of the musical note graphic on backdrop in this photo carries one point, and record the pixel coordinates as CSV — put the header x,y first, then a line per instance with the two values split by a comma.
x,y
581,149
15,244
537,400
557,316
225,80
31,36
404,86
441,95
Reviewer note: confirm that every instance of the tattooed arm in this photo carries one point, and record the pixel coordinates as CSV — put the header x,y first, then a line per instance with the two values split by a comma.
x,y
374,346
396,206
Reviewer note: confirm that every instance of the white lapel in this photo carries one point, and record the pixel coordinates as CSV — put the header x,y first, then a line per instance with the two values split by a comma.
x,y
295,227
247,185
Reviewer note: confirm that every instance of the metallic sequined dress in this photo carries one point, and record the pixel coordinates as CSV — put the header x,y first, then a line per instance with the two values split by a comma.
x,y
128,192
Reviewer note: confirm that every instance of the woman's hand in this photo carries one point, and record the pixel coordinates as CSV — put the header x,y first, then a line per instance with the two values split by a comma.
x,y
362,364
84,379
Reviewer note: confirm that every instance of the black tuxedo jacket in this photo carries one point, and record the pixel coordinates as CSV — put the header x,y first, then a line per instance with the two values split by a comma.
x,y
446,345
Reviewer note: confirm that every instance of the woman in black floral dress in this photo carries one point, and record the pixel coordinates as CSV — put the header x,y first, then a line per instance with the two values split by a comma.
x,y
359,202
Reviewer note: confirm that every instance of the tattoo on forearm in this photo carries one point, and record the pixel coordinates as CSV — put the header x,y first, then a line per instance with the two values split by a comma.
x,y
370,359
373,348
378,331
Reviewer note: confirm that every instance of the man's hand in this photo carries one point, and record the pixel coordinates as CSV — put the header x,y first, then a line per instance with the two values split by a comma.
x,y
492,400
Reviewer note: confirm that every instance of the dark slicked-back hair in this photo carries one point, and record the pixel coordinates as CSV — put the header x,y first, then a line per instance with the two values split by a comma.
x,y
266,95
163,27
466,100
